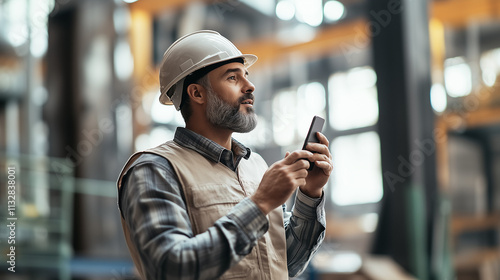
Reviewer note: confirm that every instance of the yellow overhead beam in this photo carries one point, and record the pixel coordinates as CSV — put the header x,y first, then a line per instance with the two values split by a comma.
x,y
452,12
345,38
459,13
158,6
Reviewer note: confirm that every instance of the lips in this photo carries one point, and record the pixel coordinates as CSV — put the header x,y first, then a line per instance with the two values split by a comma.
x,y
247,101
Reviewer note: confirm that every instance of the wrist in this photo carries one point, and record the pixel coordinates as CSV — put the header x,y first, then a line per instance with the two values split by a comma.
x,y
312,193
261,205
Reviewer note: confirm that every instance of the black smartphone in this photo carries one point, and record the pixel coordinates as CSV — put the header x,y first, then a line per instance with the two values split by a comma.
x,y
316,126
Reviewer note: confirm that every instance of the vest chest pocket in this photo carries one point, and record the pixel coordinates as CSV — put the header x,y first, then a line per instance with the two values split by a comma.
x,y
214,194
211,202
250,186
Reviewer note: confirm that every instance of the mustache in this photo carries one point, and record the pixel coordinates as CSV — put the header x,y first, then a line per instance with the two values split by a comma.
x,y
246,97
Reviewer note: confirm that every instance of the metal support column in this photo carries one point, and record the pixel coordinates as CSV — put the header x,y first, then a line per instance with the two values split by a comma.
x,y
402,61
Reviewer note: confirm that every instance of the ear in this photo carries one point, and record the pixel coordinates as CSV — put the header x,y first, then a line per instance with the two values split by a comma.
x,y
196,93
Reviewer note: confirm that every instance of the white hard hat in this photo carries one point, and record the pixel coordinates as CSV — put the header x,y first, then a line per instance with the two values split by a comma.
x,y
190,53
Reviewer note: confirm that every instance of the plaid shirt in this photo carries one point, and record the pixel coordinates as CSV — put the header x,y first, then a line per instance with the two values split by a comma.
x,y
153,206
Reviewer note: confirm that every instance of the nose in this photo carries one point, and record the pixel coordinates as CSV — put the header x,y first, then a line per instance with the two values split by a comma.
x,y
248,87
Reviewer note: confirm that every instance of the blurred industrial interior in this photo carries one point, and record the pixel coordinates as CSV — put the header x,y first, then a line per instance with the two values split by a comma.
x,y
409,90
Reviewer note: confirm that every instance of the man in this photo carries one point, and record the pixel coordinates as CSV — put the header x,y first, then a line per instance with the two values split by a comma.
x,y
203,206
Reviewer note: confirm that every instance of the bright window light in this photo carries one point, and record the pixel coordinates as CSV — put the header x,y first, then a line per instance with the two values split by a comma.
x,y
142,142
438,98
490,66
347,262
284,117
309,11
163,114
39,12
97,71
51,4
285,10
39,44
123,60
160,135
334,10
16,27
489,77
338,262
124,135
294,110
264,6
353,99
357,175
457,77
369,222
311,100
121,19
361,78
157,136
129,1
301,33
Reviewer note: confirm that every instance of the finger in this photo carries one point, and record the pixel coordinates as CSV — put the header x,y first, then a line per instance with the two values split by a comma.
x,y
300,164
300,177
301,174
322,139
296,155
320,157
301,182
326,166
318,148
323,142
287,154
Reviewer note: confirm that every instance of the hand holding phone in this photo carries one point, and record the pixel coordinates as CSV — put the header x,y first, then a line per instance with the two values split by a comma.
x,y
316,126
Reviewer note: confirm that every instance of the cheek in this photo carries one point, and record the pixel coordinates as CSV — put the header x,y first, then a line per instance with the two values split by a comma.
x,y
230,96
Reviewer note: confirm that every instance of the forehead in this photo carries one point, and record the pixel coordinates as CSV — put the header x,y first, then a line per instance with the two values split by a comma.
x,y
230,67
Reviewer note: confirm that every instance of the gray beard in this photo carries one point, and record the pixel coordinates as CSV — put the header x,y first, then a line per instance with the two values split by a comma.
x,y
224,115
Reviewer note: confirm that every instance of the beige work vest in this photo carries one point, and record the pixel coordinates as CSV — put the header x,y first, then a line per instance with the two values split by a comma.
x,y
211,190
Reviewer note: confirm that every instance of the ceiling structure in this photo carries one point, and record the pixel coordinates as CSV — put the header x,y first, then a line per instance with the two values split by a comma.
x,y
272,38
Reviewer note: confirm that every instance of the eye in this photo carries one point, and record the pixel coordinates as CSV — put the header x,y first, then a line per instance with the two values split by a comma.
x,y
231,78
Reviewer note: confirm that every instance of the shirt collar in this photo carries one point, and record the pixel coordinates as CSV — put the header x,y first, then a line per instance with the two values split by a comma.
x,y
210,149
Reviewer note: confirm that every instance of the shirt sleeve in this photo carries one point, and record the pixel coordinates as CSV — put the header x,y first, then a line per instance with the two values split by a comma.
x,y
152,205
305,231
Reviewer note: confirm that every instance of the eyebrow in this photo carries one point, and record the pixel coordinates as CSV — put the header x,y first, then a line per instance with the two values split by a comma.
x,y
235,70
